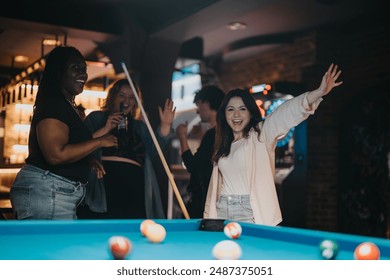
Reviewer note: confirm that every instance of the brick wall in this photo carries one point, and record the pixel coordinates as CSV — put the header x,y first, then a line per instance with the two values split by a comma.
x,y
283,63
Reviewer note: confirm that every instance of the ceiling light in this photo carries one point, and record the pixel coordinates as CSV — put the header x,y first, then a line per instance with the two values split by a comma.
x,y
21,58
51,42
236,25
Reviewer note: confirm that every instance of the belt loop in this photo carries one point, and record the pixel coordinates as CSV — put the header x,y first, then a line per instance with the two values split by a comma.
x,y
45,174
79,184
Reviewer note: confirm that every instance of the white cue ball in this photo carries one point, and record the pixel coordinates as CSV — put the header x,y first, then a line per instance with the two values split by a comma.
x,y
156,233
227,250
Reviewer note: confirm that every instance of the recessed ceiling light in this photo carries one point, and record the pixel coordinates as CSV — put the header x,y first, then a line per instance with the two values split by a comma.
x,y
21,58
236,25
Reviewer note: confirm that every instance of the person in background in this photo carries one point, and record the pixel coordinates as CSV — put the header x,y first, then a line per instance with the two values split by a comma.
x,y
129,188
199,165
52,182
242,186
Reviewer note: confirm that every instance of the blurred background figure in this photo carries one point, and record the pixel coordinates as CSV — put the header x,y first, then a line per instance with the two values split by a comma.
x,y
199,165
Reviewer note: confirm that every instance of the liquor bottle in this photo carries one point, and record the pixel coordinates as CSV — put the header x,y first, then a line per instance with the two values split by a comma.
x,y
122,125
122,129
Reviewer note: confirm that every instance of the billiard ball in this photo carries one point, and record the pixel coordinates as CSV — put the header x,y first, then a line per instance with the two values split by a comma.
x,y
155,233
144,226
227,250
120,247
329,249
232,230
367,251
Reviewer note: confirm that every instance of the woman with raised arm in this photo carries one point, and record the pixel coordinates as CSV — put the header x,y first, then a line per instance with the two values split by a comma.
x,y
242,186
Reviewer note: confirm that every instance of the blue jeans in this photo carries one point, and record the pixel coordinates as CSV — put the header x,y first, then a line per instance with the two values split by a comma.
x,y
38,194
235,208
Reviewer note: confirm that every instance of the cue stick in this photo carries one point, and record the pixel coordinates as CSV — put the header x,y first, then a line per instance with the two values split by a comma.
x,y
160,153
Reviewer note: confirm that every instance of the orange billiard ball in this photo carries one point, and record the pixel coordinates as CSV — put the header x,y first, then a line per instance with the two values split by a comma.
x,y
144,226
232,230
367,251
120,247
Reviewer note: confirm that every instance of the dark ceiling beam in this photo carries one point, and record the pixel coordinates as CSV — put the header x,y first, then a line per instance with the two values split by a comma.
x,y
85,15
192,49
102,15
281,38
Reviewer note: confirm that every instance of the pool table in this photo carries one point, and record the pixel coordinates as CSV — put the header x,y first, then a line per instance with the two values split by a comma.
x,y
185,240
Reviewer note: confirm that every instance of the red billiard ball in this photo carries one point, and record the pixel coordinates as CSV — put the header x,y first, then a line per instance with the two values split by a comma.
x,y
120,247
367,251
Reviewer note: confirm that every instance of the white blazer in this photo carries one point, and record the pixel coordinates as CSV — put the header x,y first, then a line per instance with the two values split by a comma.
x,y
261,154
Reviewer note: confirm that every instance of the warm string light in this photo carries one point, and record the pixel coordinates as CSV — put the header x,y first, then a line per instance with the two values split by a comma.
x,y
260,88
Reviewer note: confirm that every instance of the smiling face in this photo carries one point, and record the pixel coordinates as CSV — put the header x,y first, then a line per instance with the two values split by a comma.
x,y
126,96
75,76
237,116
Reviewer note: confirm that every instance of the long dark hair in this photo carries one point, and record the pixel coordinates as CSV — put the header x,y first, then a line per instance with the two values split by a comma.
x,y
113,90
224,134
55,65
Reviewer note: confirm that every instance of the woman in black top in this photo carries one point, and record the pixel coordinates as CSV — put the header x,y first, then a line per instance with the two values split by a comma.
x,y
52,183
129,188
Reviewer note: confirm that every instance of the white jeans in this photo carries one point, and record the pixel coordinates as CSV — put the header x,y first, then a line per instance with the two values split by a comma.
x,y
235,208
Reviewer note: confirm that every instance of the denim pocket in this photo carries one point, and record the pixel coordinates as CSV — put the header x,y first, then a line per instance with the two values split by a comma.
x,y
20,200
65,200
246,205
65,188
246,208
244,212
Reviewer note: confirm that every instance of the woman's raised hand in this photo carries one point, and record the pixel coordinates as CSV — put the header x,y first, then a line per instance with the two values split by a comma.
x,y
329,80
167,113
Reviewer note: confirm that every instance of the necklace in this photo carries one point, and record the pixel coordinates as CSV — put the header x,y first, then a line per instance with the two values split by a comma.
x,y
74,106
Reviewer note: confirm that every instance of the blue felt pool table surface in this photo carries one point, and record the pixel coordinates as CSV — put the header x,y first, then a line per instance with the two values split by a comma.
x,y
88,240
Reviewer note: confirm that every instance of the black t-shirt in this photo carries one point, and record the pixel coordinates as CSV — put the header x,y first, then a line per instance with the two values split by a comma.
x,y
60,109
